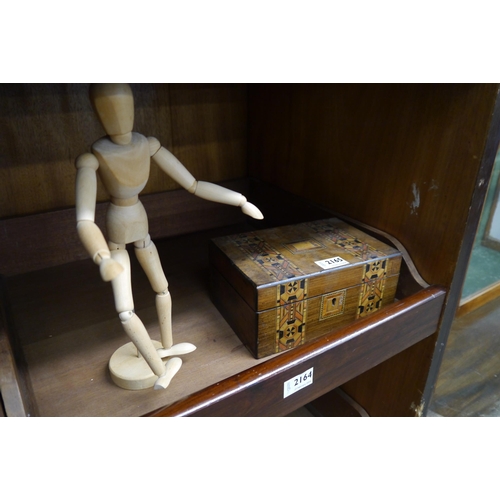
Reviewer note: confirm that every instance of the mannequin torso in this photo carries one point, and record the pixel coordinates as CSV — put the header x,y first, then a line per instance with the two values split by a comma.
x,y
123,169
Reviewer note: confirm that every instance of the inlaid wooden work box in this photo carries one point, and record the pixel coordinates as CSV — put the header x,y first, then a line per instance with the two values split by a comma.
x,y
279,288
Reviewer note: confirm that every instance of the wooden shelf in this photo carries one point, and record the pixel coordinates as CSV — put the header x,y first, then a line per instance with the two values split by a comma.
x,y
67,334
384,155
336,359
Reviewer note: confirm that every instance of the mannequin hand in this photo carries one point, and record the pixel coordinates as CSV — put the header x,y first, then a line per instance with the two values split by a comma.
x,y
110,269
251,210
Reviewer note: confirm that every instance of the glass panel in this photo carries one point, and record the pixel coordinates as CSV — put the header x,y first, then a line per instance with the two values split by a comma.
x,y
484,264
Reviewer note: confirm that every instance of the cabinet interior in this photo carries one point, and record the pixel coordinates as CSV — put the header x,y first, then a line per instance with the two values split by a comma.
x,y
409,161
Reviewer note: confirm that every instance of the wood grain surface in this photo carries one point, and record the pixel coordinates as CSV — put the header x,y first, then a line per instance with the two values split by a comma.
x,y
335,358
44,127
402,158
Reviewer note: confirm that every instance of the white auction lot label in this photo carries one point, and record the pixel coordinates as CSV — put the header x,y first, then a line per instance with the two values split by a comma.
x,y
298,382
331,262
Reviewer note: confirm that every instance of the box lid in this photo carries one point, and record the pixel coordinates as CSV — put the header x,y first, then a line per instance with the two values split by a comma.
x,y
301,261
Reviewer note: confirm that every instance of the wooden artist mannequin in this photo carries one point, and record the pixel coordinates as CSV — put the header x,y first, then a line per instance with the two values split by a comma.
x,y
122,159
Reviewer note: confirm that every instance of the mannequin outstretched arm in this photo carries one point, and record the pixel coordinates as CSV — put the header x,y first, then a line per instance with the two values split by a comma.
x,y
88,231
206,190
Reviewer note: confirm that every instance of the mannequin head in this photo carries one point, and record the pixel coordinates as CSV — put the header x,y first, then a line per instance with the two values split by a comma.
x,y
114,105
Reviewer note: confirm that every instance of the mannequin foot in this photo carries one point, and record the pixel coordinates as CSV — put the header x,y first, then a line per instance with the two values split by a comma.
x,y
176,350
171,368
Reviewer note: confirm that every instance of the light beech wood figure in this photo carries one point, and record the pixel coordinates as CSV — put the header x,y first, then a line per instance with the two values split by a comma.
x,y
122,160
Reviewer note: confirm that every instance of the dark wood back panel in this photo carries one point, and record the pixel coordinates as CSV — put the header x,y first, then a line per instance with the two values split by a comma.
x,y
44,127
402,158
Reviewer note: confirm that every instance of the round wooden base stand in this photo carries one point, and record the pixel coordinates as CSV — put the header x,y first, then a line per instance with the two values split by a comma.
x,y
130,371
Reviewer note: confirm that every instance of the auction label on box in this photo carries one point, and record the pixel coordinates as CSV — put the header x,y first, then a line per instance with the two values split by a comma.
x,y
331,263
298,382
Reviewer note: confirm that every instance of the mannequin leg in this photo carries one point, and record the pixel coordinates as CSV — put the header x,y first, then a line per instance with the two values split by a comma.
x,y
164,310
148,257
133,326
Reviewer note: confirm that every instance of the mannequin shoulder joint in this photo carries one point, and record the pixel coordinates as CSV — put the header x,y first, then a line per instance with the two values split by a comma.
x,y
87,160
154,145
